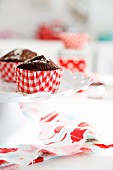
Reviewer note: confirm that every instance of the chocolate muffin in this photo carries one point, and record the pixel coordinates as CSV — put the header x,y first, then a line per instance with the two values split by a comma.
x,y
38,75
10,61
18,55
39,63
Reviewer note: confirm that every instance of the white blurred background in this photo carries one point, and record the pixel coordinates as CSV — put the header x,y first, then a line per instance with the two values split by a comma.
x,y
24,16
20,19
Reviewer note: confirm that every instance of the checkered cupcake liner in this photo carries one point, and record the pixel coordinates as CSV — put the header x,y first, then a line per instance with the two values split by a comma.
x,y
38,81
7,71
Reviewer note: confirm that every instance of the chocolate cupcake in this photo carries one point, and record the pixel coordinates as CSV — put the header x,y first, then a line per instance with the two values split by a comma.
x,y
9,62
38,74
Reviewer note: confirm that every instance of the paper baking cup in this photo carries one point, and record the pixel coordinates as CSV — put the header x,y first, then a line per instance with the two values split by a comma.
x,y
74,41
7,70
38,81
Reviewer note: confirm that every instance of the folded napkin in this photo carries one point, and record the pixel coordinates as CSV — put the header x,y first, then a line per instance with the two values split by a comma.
x,y
59,136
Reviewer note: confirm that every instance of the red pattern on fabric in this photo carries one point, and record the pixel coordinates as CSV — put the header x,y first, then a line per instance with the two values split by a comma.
x,y
47,152
85,149
58,141
6,150
77,134
58,129
2,161
37,160
104,146
49,117
83,124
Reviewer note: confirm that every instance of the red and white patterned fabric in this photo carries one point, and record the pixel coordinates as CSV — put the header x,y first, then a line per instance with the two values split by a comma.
x,y
74,41
37,81
75,65
60,135
7,70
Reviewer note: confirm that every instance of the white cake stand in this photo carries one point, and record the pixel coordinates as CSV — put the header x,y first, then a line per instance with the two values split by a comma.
x,y
11,117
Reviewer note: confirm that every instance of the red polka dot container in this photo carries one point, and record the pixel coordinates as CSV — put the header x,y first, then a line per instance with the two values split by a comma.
x,y
7,70
74,61
73,40
38,81
76,65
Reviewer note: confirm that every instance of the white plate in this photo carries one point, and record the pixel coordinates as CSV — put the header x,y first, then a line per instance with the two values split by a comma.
x,y
70,84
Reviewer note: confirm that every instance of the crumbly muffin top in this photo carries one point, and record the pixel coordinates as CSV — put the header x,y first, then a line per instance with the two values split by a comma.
x,y
18,55
38,63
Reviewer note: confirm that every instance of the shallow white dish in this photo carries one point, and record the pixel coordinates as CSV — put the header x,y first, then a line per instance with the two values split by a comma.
x,y
70,84
11,117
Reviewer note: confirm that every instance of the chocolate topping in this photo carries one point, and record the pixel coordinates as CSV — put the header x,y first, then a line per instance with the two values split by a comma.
x,y
39,63
18,55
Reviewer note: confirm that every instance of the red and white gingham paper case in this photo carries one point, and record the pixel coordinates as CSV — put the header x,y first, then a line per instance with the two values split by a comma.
x,y
7,70
74,41
38,81
75,65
